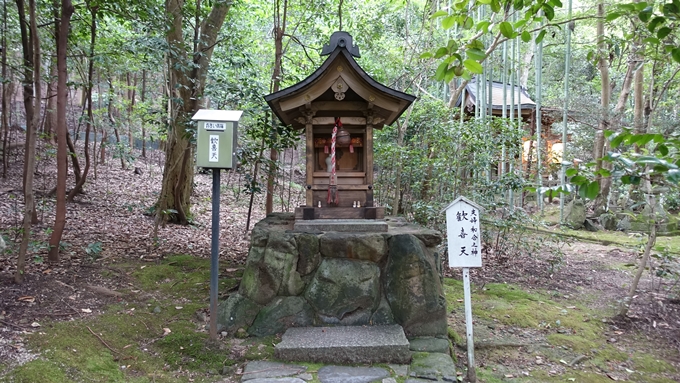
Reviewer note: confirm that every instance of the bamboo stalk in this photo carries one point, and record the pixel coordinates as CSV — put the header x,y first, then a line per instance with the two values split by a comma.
x,y
567,65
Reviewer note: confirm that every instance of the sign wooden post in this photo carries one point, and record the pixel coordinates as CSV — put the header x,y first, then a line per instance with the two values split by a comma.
x,y
464,244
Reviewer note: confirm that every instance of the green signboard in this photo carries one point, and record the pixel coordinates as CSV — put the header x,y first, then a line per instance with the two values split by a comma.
x,y
216,138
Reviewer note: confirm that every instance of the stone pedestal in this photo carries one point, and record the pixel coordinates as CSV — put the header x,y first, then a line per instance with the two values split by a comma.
x,y
295,278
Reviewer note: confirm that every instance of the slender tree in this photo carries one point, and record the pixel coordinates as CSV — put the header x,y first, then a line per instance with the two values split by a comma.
x,y
50,120
27,50
31,132
142,99
603,66
62,32
88,90
611,120
279,31
5,96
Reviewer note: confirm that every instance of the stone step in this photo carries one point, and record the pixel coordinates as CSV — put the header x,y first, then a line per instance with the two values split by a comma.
x,y
345,344
342,225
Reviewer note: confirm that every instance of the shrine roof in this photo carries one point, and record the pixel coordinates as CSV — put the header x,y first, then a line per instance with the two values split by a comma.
x,y
362,92
497,89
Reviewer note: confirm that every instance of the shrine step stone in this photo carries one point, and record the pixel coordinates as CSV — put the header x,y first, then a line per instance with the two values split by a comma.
x,y
342,225
345,344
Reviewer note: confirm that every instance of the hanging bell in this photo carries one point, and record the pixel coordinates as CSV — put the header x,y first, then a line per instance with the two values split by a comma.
x,y
343,138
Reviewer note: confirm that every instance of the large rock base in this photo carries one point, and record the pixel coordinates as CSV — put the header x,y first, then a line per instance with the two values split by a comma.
x,y
296,278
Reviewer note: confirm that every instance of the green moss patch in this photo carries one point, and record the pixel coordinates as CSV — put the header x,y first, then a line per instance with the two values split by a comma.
x,y
576,343
650,364
154,337
179,275
572,330
510,305
541,376
261,348
40,370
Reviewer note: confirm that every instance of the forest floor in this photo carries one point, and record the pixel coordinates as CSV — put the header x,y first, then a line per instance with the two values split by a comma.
x,y
126,304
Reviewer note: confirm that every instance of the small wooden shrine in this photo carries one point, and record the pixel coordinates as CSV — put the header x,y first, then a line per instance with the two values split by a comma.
x,y
339,106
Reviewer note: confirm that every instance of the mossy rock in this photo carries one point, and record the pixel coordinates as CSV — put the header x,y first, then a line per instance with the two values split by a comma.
x,y
236,312
281,313
413,288
343,287
366,247
308,253
272,271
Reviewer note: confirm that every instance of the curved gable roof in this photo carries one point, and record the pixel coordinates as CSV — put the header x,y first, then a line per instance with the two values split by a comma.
x,y
386,102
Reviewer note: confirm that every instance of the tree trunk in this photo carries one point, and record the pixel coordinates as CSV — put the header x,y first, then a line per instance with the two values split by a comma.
x,y
397,178
176,191
102,145
31,70
73,156
525,69
603,64
50,124
142,119
132,90
27,49
187,86
30,215
62,32
638,121
651,241
5,96
279,30
427,179
114,123
90,116
612,122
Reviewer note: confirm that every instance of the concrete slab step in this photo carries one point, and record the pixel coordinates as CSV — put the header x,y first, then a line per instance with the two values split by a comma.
x,y
345,344
343,225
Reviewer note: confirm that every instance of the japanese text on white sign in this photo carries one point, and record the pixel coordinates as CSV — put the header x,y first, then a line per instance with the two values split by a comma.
x,y
220,126
463,235
214,152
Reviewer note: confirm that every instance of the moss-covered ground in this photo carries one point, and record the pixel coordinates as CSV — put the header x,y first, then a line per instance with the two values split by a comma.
x,y
157,333
530,337
154,334
550,216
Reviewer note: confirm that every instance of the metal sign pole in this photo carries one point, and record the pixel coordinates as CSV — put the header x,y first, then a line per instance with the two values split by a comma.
x,y
471,373
214,251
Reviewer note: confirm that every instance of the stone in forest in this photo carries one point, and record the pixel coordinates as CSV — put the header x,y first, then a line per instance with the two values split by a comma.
x,y
575,214
590,225
608,221
623,224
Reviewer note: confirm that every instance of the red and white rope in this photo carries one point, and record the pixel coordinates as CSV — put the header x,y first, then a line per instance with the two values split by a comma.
x,y
333,195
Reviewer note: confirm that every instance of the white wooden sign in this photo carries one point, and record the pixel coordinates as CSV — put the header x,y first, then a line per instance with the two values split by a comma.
x,y
465,250
463,233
